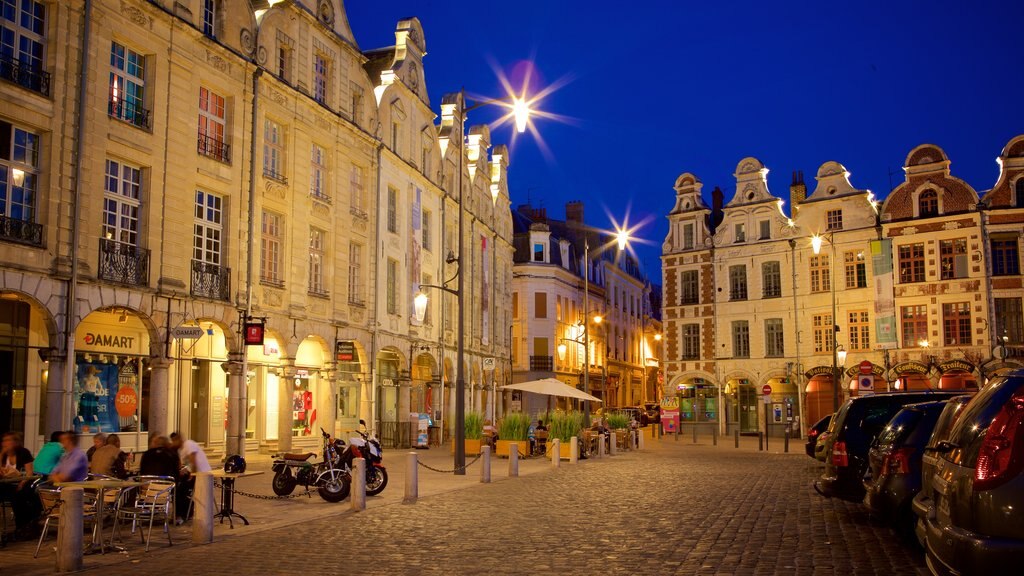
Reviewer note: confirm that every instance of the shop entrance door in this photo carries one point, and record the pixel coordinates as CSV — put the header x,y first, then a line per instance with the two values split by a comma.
x,y
748,409
199,420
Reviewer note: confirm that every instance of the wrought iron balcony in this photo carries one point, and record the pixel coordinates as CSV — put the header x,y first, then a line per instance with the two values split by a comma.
x,y
211,281
21,231
542,363
123,263
130,112
214,148
25,75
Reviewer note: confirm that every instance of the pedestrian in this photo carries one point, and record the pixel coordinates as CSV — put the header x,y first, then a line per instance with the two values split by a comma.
x,y
193,460
98,441
109,460
74,464
49,455
16,460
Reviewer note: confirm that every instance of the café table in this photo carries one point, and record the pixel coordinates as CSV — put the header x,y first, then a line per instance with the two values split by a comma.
x,y
101,487
12,480
227,494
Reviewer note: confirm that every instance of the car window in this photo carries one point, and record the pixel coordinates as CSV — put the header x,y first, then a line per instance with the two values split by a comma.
x,y
877,416
899,427
954,408
840,417
971,427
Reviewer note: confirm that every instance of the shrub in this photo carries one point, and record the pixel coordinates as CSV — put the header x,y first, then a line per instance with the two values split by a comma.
x,y
474,425
564,425
514,426
617,421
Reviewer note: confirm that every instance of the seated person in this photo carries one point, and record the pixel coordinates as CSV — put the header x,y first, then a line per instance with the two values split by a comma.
x,y
98,441
74,464
49,455
16,460
490,432
109,460
160,459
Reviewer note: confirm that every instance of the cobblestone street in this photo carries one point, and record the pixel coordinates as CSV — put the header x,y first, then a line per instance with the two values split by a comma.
x,y
673,509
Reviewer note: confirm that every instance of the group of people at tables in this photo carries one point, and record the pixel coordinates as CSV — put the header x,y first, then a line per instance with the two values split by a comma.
x,y
536,434
61,460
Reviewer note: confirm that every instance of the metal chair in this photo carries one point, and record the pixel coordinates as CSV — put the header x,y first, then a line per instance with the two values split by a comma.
x,y
50,498
154,499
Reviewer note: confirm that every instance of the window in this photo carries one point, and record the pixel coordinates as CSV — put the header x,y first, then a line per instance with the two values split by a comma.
x,y
738,282
540,305
273,150
765,229
740,339
1018,197
928,204
210,18
317,261
953,258
355,274
209,228
688,236
392,286
128,86
538,252
284,60
515,304
19,164
212,123
834,220
355,182
824,337
856,270
956,324
821,277
771,280
1009,321
425,160
426,227
691,341
320,78
357,104
122,200
860,334
911,263
394,137
1005,256
270,249
740,232
318,187
914,320
774,341
392,210
21,44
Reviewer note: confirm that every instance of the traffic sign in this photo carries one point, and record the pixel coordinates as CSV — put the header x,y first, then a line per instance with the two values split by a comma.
x,y
866,367
766,389
866,384
489,364
188,332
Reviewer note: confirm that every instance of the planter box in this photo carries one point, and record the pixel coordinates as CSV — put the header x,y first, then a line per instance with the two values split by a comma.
x,y
503,448
472,447
563,449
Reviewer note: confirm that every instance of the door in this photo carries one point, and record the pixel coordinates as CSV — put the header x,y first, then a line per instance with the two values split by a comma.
x,y
748,409
199,421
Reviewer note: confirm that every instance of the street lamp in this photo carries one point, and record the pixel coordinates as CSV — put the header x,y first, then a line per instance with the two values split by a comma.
x,y
816,241
521,112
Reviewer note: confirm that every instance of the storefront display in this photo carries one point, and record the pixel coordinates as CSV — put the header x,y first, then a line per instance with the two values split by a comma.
x,y
303,412
107,395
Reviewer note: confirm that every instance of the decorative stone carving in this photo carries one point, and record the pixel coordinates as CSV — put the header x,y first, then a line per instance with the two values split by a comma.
x,y
261,55
278,97
276,189
321,210
323,122
217,62
246,39
136,15
359,224
909,231
272,297
951,225
326,12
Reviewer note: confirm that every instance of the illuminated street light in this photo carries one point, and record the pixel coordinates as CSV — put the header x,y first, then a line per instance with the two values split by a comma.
x,y
521,111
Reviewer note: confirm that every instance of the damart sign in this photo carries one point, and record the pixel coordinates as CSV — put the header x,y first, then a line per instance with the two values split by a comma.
x,y
101,340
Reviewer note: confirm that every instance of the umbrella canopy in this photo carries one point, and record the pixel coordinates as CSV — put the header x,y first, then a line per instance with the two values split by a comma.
x,y
551,387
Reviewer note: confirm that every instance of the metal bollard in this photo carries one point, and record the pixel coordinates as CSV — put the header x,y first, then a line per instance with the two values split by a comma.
x,y
600,446
613,444
513,460
640,442
760,441
485,464
69,530
574,450
714,435
359,484
737,439
785,445
202,514
632,439
694,433
556,458
412,490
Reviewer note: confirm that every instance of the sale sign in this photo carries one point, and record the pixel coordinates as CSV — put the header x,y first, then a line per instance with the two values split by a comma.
x,y
126,402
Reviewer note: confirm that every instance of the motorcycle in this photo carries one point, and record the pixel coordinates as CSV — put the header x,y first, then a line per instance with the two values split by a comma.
x,y
333,482
368,447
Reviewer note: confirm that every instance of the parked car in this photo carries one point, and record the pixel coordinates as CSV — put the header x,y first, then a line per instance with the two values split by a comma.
x,y
974,522
819,446
651,414
851,433
813,434
929,460
895,464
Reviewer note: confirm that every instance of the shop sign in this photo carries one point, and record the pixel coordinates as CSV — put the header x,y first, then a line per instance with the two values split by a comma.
x,y
489,364
345,351
910,368
101,340
126,401
270,348
955,366
819,371
188,332
254,334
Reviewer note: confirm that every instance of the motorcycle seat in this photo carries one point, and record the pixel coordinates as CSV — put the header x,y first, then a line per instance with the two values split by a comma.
x,y
299,457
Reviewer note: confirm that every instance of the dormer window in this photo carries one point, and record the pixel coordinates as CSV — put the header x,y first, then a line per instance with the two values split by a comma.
x,y
928,204
1018,197
538,252
741,232
688,236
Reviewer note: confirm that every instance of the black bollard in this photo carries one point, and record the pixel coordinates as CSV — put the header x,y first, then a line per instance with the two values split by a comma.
x,y
714,435
695,433
786,441
760,441
737,438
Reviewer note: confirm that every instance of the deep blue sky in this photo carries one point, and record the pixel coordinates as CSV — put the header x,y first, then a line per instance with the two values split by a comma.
x,y
661,88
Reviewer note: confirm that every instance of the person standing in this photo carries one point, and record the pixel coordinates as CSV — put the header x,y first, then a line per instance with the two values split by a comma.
x,y
74,464
193,460
49,455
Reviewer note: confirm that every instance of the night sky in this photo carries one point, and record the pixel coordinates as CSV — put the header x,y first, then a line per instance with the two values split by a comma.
x,y
662,88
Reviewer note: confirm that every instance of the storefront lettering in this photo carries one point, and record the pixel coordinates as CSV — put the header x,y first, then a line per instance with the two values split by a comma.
x,y
955,366
109,340
819,371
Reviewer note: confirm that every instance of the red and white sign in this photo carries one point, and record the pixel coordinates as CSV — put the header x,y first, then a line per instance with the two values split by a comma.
x,y
866,367
766,389
126,401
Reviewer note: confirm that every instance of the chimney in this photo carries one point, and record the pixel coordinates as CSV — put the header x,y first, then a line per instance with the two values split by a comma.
x,y
797,191
574,212
717,201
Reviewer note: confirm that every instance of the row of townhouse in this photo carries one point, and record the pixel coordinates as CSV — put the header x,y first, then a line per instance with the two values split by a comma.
x,y
182,179
764,311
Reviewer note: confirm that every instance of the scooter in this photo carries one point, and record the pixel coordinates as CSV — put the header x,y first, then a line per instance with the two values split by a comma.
x,y
332,481
366,446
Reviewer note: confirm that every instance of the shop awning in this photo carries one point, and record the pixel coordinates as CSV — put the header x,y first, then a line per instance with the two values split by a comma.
x,y
551,387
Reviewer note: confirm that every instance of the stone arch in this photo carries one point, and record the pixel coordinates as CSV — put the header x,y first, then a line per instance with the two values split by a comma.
x,y
49,319
926,154
103,298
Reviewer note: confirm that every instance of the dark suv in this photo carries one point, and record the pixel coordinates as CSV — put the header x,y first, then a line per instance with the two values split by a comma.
x,y
974,522
930,458
850,434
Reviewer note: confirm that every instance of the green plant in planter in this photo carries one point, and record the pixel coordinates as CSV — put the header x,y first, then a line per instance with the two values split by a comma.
x,y
474,425
564,425
514,426
617,421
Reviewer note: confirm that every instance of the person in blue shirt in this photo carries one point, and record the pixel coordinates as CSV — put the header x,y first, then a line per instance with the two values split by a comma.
x,y
49,455
74,465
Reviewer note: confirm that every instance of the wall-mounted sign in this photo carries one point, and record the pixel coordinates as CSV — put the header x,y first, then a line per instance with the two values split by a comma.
x,y
819,371
910,368
188,332
101,340
345,351
254,333
489,364
955,366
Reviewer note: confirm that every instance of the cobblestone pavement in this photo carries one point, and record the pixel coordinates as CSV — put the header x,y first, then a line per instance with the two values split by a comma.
x,y
673,509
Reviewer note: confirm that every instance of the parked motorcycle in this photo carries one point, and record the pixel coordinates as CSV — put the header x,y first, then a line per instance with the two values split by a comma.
x,y
332,481
368,447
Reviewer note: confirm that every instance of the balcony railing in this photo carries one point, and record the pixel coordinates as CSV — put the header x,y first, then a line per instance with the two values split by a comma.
x,y
214,148
542,363
123,263
25,75
21,231
211,281
273,174
130,112
320,196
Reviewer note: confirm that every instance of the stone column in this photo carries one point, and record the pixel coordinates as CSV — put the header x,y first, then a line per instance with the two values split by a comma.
x,y
236,404
406,427
159,395
286,385
55,395
478,398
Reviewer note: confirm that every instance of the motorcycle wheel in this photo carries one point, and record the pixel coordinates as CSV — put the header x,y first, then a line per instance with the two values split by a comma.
x,y
335,489
376,481
283,484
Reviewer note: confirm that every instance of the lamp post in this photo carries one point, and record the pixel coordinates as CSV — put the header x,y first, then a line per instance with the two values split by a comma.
x,y
521,113
816,246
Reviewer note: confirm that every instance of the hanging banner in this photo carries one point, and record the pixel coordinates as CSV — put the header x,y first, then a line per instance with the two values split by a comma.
x,y
485,296
885,307
415,246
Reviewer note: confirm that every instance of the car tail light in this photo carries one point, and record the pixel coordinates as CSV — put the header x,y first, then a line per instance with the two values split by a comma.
x,y
839,457
1002,451
812,433
897,462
